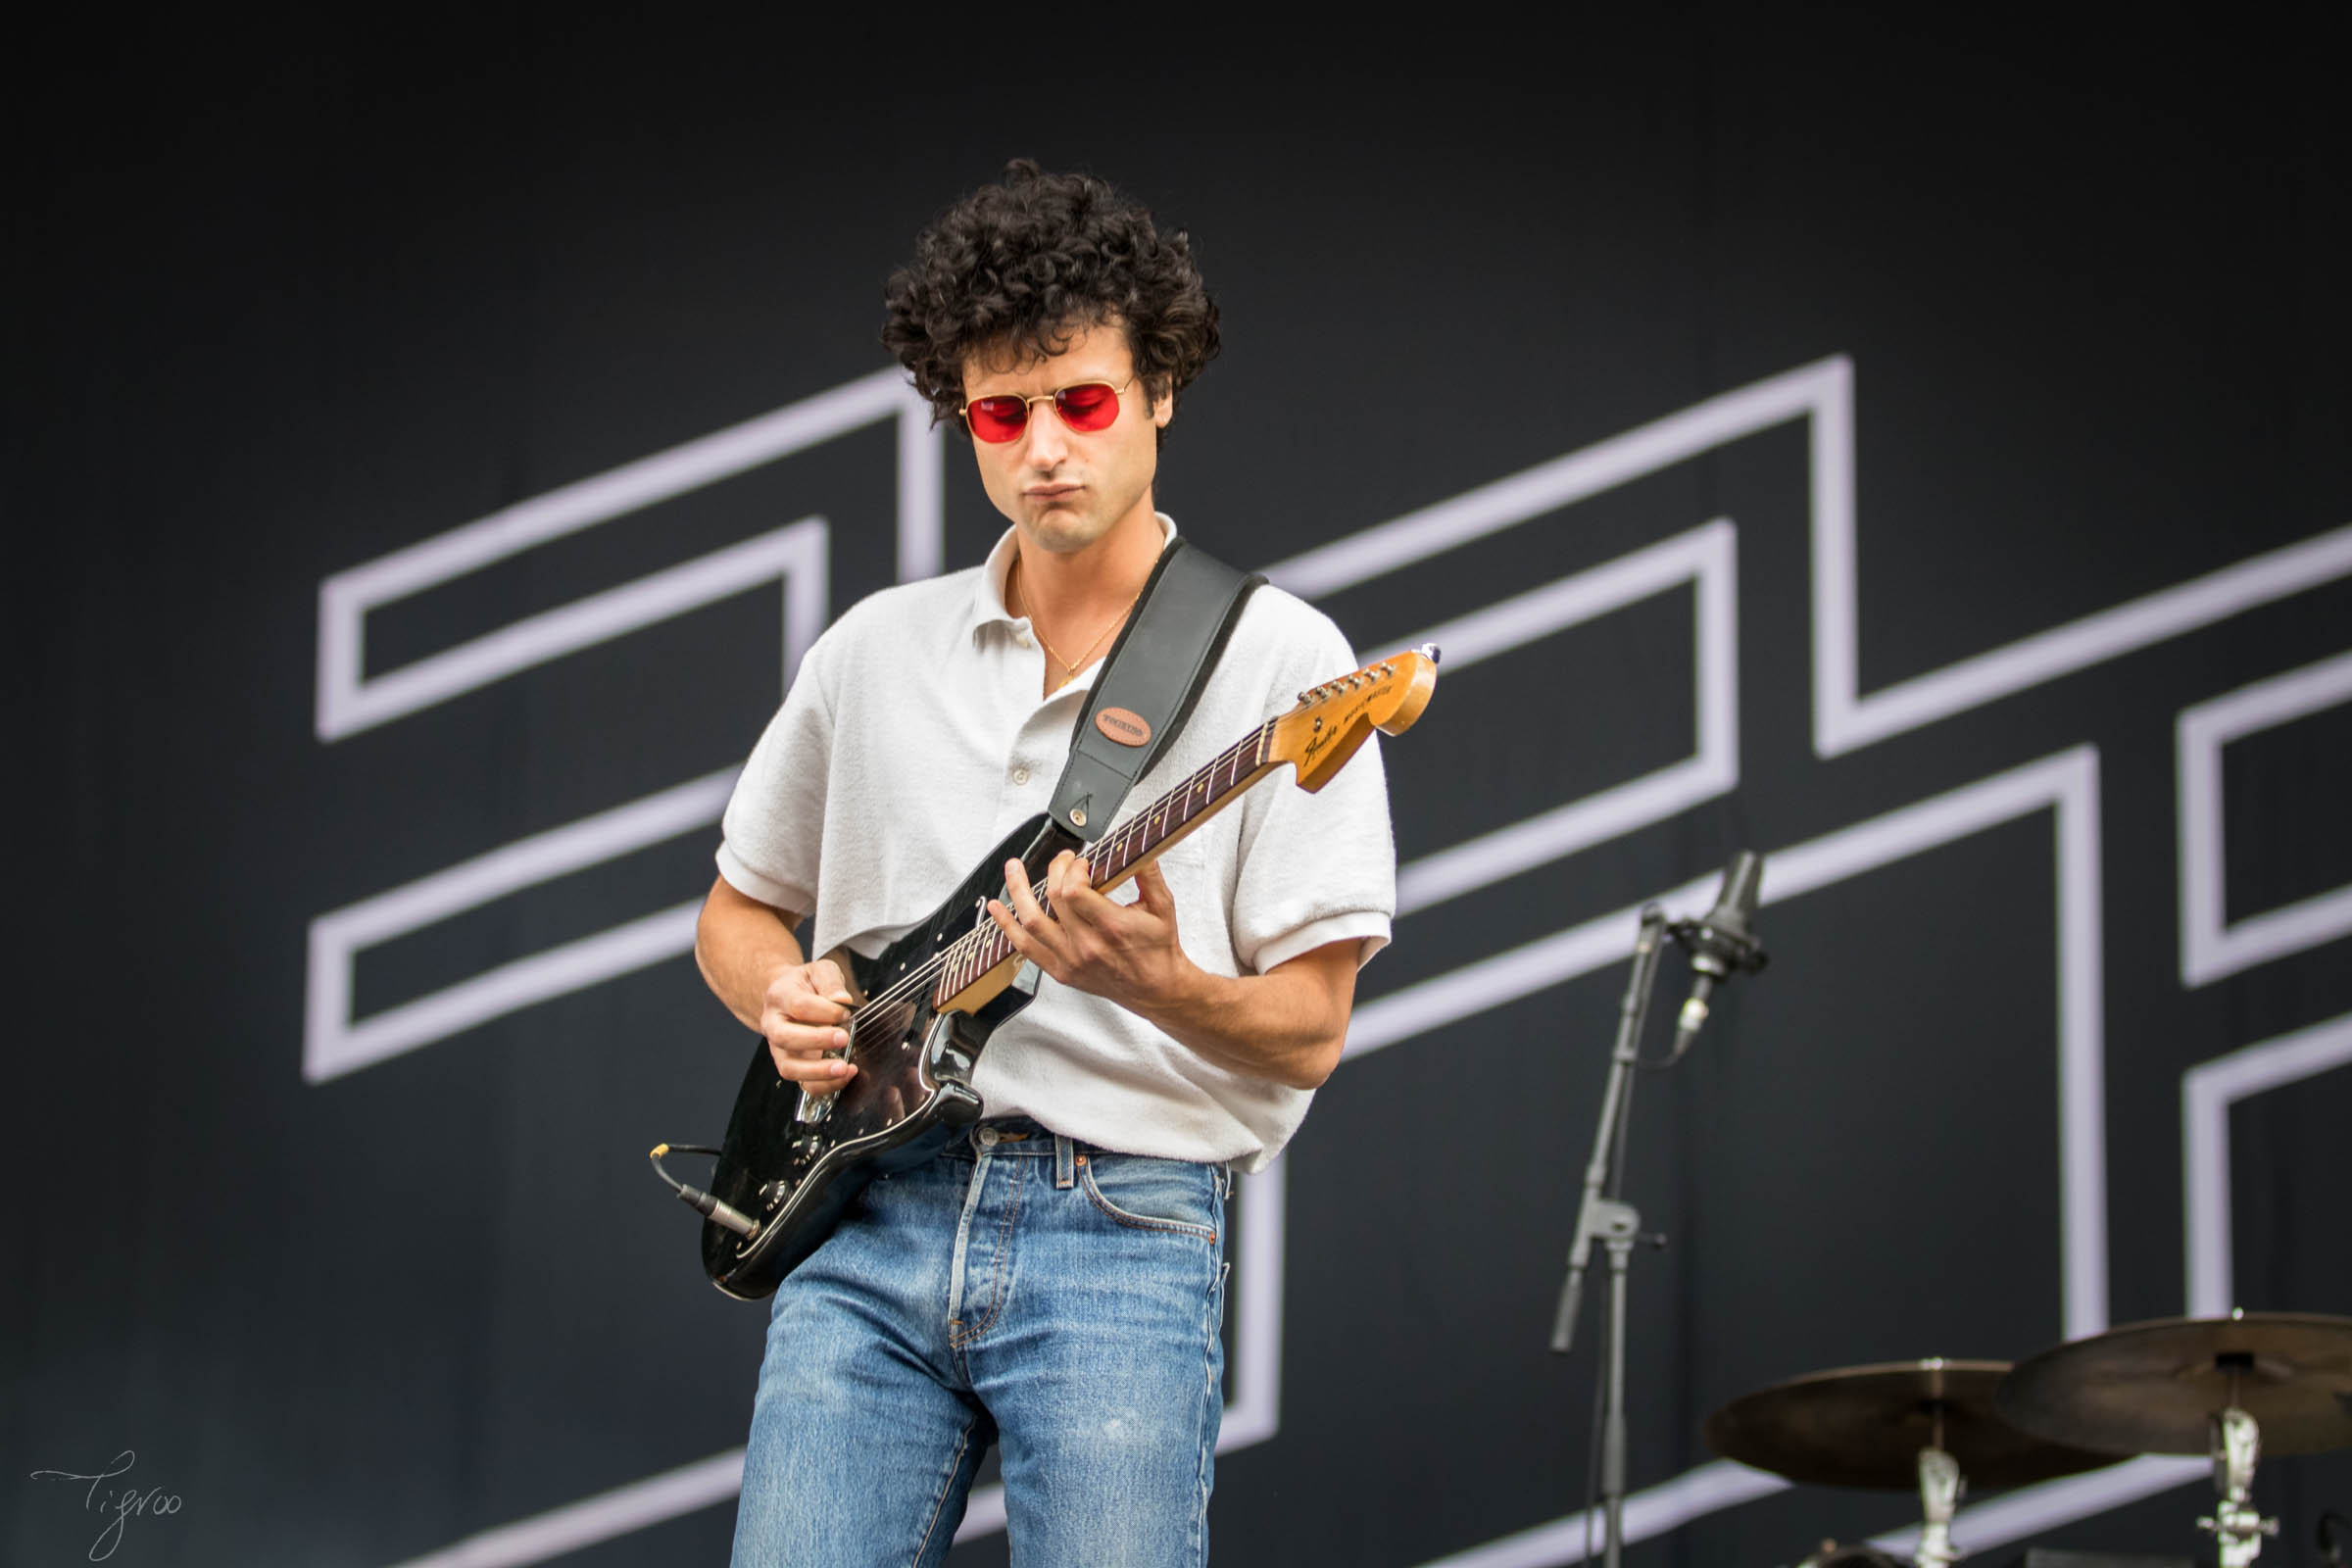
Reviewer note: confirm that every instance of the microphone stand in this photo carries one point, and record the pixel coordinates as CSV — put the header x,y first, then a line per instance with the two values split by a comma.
x,y
1605,1217
1720,946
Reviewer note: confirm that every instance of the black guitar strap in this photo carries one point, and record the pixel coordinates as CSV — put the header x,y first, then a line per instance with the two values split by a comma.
x,y
1150,681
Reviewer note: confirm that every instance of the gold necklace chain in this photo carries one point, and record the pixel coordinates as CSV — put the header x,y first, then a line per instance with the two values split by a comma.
x,y
1013,576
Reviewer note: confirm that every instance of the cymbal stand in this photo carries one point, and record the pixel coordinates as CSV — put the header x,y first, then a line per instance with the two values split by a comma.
x,y
2235,1524
1940,1487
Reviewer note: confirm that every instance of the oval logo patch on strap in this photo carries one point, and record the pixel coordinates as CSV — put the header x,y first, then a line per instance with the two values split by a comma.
x,y
1124,726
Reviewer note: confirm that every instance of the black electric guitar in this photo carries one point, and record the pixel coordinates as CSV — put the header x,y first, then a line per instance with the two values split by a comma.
x,y
926,1006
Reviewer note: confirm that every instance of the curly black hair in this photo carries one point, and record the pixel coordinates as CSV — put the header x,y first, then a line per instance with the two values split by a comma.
x,y
1030,261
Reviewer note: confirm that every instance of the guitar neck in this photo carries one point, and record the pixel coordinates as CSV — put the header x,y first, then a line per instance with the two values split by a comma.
x,y
1123,853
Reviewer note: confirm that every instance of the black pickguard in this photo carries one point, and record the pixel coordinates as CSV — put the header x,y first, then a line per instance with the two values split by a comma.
x,y
911,1091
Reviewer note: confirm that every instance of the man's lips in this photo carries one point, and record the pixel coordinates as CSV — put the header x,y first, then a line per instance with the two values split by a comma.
x,y
1051,492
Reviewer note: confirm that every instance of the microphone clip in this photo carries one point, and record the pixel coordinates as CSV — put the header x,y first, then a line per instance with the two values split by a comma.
x,y
1716,952
1720,945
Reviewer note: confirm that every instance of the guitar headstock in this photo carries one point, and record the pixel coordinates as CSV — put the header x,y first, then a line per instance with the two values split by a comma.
x,y
1336,718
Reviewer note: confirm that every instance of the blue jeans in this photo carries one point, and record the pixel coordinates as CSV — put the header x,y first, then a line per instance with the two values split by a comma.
x,y
1017,1287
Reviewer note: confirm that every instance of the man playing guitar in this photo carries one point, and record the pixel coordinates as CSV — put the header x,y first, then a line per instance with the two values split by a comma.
x,y
1054,1279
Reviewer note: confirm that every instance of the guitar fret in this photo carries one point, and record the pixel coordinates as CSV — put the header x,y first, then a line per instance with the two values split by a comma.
x,y
1164,819
981,949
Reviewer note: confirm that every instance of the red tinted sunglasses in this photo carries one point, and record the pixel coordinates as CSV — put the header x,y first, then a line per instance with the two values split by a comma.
x,y
1087,406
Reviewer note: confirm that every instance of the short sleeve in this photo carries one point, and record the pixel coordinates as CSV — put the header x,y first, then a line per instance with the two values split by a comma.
x,y
1322,867
773,832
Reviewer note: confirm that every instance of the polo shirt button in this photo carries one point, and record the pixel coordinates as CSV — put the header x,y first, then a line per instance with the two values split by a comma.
x,y
1021,776
1023,638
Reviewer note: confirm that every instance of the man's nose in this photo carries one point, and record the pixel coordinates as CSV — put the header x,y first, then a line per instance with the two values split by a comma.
x,y
1049,442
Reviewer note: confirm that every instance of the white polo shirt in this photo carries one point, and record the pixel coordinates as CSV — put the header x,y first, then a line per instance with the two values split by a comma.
x,y
913,740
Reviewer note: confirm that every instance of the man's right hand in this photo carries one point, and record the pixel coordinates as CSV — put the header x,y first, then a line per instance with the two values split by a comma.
x,y
801,1016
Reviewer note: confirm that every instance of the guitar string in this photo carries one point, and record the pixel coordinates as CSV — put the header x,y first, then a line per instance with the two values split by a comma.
x,y
913,980
967,944
1252,743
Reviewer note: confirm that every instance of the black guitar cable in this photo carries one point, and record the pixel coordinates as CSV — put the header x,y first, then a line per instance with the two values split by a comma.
x,y
696,1198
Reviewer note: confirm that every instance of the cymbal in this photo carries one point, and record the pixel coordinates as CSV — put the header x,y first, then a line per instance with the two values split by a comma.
x,y
2151,1387
1864,1426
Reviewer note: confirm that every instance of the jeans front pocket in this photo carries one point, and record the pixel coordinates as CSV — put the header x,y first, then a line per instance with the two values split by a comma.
x,y
1155,1195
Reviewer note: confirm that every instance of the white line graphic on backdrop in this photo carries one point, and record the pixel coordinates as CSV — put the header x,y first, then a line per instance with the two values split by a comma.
x,y
332,1042
2068,786
1841,724
333,1045
1843,720
703,1484
796,555
2067,782
2212,947
1821,392
2207,1092
349,702
792,554
1706,557
1651,1512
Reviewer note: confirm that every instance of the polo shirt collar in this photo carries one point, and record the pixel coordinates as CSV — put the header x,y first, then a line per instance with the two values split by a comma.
x,y
988,594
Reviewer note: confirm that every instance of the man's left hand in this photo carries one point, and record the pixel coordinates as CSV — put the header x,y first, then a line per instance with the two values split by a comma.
x,y
1125,952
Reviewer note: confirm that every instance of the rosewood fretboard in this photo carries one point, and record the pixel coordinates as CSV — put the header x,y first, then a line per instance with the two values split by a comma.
x,y
1119,853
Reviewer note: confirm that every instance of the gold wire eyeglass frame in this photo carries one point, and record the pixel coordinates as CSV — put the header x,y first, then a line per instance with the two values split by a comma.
x,y
1118,392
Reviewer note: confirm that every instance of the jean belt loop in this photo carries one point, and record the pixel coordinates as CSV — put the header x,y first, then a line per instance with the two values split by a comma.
x,y
1065,1161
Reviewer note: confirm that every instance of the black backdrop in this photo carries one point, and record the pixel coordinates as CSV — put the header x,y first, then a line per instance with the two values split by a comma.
x,y
286,299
